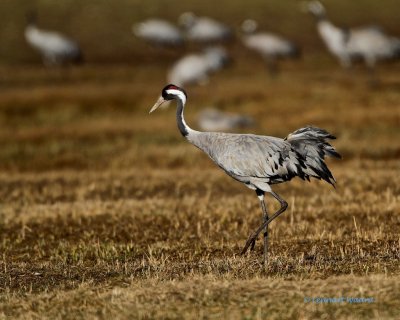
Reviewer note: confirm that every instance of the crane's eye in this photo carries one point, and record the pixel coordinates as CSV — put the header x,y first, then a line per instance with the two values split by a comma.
x,y
165,93
171,86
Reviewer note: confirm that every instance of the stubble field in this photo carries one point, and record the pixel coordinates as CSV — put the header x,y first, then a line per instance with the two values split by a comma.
x,y
107,212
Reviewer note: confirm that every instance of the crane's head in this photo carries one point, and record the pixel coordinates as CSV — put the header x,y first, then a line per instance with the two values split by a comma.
x,y
249,26
31,17
315,8
170,92
187,20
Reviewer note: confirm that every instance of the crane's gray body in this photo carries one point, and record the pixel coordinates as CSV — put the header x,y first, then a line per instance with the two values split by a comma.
x,y
204,29
158,32
211,119
269,45
196,68
259,161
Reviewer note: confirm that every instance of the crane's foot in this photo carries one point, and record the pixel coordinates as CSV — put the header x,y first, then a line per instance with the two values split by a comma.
x,y
253,244
250,242
265,253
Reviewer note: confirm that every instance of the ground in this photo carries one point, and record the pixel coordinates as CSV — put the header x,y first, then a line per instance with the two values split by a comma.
x,y
106,211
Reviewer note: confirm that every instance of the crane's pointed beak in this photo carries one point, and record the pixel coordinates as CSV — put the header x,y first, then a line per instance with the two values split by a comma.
x,y
159,102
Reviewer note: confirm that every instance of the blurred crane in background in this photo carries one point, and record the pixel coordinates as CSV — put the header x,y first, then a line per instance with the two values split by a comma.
x,y
370,44
55,48
211,119
271,47
259,161
204,30
158,32
196,68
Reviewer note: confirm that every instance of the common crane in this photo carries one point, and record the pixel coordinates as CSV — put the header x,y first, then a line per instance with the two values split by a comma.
x,y
55,48
158,32
259,161
215,120
204,29
370,44
196,68
270,46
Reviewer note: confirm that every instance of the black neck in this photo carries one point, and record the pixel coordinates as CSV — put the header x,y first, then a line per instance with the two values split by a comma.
x,y
320,17
31,18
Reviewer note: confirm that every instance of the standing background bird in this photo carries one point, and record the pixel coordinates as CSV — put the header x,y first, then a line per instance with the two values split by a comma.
x,y
55,48
270,46
215,120
370,44
204,29
259,161
158,32
196,68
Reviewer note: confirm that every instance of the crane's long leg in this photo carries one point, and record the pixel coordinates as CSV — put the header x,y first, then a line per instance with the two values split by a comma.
x,y
373,79
260,195
255,234
272,65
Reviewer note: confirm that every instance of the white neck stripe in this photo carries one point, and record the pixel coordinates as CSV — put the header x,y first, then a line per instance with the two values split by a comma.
x,y
179,94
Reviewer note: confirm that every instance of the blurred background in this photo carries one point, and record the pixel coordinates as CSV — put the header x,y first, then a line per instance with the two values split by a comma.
x,y
103,28
96,193
58,113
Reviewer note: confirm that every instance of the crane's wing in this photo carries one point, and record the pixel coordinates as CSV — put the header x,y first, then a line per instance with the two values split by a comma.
x,y
255,156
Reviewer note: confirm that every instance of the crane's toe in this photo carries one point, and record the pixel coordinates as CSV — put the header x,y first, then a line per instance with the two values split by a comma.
x,y
253,244
249,243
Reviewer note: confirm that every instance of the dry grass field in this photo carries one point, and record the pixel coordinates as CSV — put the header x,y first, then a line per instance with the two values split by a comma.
x,y
107,212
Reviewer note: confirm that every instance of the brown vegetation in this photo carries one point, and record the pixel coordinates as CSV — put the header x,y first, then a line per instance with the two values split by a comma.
x,y
107,211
